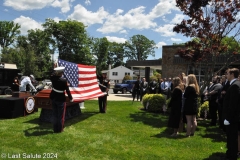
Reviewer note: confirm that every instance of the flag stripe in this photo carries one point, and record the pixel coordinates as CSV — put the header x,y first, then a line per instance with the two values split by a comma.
x,y
82,80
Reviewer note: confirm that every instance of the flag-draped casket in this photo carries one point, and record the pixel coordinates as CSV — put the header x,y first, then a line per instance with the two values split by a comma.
x,y
83,84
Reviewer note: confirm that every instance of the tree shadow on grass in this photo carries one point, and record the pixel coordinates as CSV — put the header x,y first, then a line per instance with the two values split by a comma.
x,y
216,156
45,128
156,120
212,132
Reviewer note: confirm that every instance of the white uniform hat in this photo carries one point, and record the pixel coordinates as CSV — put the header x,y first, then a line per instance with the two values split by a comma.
x,y
59,69
32,76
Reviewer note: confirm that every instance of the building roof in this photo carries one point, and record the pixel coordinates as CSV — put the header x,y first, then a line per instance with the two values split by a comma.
x,y
154,64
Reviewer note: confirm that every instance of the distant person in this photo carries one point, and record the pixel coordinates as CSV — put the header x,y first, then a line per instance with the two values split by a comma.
x,y
153,86
27,81
136,89
143,88
104,85
15,85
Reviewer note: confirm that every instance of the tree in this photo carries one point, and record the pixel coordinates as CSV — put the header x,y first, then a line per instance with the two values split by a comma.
x,y
100,50
71,40
210,21
139,48
115,54
8,32
41,42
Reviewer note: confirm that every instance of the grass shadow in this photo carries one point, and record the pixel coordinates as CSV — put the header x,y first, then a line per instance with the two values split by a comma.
x,y
216,156
45,128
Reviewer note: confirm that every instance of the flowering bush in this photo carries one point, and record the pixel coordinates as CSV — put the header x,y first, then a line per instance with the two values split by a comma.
x,y
153,102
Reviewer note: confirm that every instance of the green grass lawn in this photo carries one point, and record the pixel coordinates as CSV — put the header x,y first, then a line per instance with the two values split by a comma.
x,y
125,132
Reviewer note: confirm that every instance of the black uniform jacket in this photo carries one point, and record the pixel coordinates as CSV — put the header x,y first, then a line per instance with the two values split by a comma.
x,y
60,84
104,82
231,103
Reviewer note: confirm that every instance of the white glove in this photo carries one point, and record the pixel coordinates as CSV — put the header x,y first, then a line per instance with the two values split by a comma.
x,y
226,122
71,100
34,90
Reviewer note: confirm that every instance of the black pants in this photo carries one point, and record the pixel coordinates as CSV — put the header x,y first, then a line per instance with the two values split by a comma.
x,y
59,109
232,141
142,94
220,116
136,92
102,102
213,107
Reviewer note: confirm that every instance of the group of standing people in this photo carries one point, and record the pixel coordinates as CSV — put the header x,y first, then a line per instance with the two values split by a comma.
x,y
184,104
141,87
223,95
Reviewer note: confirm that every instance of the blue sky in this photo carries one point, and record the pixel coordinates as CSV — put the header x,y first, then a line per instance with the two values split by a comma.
x,y
118,20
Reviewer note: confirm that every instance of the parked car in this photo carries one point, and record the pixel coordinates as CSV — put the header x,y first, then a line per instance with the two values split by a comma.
x,y
124,87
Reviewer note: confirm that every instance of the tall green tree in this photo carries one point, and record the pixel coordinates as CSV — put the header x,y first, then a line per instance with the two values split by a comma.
x,y
41,43
139,48
115,54
8,33
100,50
71,40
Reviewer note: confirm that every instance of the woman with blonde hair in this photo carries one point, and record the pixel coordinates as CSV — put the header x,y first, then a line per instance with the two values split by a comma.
x,y
176,105
190,105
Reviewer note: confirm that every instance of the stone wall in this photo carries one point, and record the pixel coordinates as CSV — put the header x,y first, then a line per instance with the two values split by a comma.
x,y
169,69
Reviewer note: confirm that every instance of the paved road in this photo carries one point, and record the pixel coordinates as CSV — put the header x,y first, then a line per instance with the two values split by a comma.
x,y
119,96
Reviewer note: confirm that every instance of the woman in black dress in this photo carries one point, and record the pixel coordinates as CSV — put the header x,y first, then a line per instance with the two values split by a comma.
x,y
190,105
176,105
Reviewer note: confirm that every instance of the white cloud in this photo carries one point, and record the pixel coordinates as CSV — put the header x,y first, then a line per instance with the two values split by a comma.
x,y
123,32
65,5
136,18
87,2
160,44
87,17
27,4
27,23
133,19
57,19
116,39
38,4
175,39
178,18
166,30
162,8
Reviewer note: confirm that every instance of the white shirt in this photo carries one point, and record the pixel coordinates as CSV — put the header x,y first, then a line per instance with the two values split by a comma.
x,y
24,83
233,80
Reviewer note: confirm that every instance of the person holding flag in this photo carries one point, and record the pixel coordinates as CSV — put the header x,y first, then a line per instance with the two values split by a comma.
x,y
57,95
104,85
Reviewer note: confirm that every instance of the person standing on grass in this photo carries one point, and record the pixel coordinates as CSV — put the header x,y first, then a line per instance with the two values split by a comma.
x,y
231,113
104,85
176,105
136,89
58,98
190,108
212,93
143,88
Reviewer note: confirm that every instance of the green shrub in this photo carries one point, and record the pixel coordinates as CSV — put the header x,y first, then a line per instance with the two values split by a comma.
x,y
155,102
203,109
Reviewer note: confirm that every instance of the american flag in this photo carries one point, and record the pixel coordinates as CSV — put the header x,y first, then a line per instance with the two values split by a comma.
x,y
82,80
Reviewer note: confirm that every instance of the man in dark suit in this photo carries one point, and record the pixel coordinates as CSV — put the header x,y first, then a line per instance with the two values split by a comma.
x,y
221,94
58,98
231,112
212,93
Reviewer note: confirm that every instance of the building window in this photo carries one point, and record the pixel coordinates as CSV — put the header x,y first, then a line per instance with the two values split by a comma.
x,y
114,73
127,73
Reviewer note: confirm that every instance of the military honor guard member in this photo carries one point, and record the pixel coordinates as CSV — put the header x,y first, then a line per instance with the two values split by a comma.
x,y
25,81
104,85
57,95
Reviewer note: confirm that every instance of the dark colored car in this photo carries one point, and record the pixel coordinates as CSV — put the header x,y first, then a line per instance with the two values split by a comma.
x,y
124,87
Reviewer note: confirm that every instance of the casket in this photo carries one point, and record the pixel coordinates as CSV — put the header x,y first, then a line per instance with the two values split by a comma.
x,y
42,99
